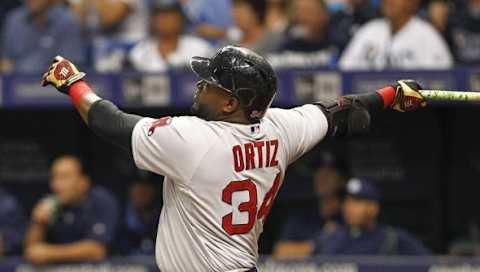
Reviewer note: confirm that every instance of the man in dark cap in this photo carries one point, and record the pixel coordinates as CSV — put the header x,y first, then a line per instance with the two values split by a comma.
x,y
362,235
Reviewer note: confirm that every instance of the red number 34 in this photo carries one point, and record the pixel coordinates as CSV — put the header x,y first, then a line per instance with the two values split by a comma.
x,y
249,206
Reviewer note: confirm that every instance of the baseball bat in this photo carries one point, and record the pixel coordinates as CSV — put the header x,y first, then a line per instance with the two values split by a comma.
x,y
451,96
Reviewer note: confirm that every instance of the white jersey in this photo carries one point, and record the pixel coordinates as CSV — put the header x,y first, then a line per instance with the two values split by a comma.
x,y
221,181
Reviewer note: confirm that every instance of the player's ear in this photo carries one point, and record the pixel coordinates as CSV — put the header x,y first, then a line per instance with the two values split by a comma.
x,y
231,104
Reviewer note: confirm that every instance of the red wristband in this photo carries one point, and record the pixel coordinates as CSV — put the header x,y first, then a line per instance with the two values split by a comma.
x,y
388,95
78,90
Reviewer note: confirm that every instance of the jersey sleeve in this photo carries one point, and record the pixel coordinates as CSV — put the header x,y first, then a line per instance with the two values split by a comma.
x,y
302,128
170,147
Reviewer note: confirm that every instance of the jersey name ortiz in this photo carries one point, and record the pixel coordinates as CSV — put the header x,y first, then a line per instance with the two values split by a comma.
x,y
250,155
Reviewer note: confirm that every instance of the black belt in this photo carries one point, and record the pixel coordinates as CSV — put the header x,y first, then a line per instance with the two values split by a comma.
x,y
253,270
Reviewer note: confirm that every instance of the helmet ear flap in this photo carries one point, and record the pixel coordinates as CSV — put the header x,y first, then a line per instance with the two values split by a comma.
x,y
246,96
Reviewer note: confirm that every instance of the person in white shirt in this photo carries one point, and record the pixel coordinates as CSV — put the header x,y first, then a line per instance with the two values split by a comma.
x,y
168,46
398,41
224,166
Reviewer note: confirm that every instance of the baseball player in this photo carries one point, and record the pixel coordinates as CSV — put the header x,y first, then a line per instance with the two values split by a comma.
x,y
225,165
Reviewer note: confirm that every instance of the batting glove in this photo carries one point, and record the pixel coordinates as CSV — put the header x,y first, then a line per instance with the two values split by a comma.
x,y
407,96
62,74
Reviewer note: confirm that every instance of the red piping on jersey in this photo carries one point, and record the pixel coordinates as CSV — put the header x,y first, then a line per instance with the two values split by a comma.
x,y
78,90
388,95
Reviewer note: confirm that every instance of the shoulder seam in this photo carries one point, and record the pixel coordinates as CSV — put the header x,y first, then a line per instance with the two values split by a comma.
x,y
199,162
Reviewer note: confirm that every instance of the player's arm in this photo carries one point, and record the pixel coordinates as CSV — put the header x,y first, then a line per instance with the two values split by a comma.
x,y
351,115
101,115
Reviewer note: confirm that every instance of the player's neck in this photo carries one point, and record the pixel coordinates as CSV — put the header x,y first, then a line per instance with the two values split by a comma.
x,y
236,118
237,121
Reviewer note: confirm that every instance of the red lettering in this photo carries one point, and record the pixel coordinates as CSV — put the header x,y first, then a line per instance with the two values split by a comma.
x,y
274,161
259,146
238,158
269,199
249,157
159,123
267,163
250,206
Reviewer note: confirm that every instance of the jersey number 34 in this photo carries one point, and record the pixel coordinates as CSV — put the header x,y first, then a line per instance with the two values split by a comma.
x,y
249,206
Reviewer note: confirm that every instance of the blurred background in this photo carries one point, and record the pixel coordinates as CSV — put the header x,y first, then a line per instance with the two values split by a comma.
x,y
403,198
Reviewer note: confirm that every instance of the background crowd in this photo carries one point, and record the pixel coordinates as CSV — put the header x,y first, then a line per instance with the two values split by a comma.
x,y
157,35
82,221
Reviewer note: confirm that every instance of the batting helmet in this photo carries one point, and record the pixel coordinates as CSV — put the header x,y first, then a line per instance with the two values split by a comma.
x,y
244,74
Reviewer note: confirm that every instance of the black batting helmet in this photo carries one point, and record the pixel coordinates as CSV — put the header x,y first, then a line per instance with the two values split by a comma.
x,y
244,74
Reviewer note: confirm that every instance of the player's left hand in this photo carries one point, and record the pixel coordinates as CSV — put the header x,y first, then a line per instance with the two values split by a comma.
x,y
61,74
407,96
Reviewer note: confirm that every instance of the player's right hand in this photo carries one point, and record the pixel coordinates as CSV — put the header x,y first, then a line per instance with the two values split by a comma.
x,y
61,74
407,96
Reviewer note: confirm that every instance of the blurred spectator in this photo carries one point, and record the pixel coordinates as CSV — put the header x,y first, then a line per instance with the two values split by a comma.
x,y
208,17
349,19
76,223
141,218
168,46
464,32
249,18
301,228
362,234
125,20
35,33
336,5
276,17
309,40
12,225
114,26
437,13
399,41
